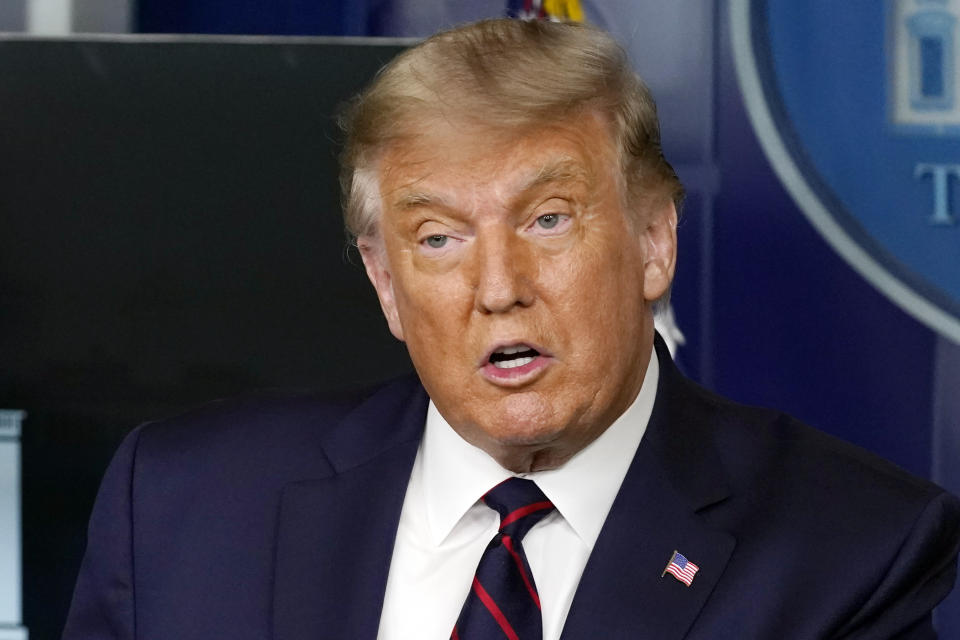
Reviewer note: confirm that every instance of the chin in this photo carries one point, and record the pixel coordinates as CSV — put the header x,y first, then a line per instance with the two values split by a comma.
x,y
525,418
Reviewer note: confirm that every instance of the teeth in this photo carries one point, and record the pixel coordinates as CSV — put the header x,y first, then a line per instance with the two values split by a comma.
x,y
510,364
517,349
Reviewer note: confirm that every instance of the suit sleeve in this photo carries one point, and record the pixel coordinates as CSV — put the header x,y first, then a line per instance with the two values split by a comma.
x,y
919,577
103,599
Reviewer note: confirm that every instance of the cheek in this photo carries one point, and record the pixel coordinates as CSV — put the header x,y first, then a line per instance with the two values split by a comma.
x,y
602,296
600,272
422,309
431,312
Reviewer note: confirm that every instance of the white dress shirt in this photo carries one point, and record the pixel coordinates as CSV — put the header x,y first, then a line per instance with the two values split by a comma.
x,y
444,528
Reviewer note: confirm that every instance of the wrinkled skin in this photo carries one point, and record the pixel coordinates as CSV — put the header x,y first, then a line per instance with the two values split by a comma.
x,y
491,239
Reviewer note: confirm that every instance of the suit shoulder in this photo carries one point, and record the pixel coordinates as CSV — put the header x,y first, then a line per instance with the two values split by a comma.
x,y
270,430
816,456
758,441
774,459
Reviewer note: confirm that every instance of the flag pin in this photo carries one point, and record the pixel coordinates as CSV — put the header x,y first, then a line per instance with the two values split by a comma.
x,y
680,568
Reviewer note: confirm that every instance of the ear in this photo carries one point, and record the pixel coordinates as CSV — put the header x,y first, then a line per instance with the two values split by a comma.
x,y
660,237
374,256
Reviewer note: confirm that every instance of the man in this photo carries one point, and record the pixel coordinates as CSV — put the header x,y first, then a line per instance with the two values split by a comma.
x,y
506,188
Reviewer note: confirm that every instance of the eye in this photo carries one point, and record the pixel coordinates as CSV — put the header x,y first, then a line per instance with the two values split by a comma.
x,y
548,220
551,224
436,241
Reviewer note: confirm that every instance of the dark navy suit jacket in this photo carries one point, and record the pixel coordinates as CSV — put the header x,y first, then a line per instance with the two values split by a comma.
x,y
276,519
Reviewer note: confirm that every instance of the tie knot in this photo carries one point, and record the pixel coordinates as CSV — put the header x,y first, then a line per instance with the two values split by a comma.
x,y
520,504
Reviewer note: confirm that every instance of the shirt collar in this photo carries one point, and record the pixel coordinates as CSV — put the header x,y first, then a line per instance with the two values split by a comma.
x,y
455,473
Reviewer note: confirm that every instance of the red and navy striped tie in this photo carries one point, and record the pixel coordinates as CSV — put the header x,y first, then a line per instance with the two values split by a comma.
x,y
503,601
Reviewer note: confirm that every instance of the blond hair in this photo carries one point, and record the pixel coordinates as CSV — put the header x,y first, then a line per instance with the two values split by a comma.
x,y
504,74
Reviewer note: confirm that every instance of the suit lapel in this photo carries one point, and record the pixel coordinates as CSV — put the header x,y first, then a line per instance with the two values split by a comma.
x,y
675,476
335,534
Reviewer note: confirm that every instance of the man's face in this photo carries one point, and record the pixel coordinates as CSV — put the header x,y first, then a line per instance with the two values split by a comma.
x,y
508,265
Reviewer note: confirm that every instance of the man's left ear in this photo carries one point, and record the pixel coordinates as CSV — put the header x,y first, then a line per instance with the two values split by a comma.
x,y
660,236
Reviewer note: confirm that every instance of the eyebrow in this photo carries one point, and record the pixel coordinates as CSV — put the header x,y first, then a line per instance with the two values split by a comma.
x,y
418,199
562,170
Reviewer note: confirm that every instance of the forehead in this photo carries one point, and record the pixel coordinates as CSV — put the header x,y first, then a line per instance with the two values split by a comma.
x,y
458,157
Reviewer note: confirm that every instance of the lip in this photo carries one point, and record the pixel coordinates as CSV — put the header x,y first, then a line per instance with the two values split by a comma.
x,y
516,376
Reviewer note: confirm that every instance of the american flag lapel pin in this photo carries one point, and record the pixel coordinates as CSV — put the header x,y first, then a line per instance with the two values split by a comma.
x,y
680,568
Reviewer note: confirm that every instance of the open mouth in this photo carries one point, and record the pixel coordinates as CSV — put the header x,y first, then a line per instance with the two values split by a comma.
x,y
512,357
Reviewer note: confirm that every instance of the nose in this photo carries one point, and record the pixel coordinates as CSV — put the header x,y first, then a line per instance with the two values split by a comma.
x,y
504,271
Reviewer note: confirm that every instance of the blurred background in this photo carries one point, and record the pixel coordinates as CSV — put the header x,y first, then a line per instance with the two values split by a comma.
x,y
170,230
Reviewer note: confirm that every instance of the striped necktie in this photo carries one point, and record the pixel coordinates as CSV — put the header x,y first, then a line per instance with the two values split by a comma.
x,y
503,601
